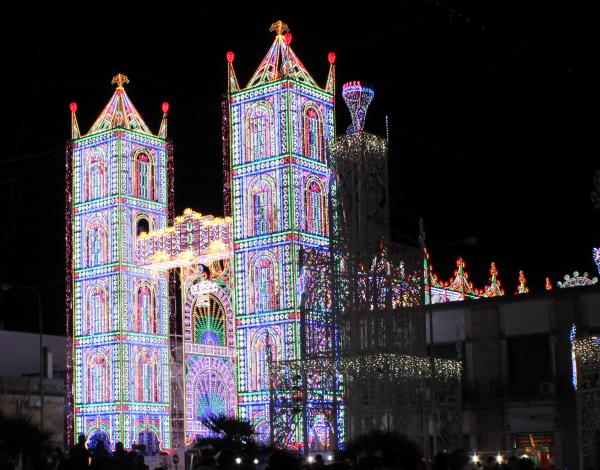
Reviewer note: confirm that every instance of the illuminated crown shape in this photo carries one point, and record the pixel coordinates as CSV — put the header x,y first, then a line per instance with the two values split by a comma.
x,y
358,97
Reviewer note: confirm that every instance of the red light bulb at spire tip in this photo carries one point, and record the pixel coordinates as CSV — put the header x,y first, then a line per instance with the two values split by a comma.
x,y
288,38
230,56
331,58
165,107
73,107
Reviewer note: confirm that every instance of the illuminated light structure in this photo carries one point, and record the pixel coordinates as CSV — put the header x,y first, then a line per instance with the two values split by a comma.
x,y
200,248
577,280
118,175
522,288
586,363
494,289
459,287
279,178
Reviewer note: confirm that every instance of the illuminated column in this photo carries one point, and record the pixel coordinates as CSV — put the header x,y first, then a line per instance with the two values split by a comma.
x,y
117,188
279,176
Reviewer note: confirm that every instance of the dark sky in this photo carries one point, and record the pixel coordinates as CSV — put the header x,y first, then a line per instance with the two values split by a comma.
x,y
493,109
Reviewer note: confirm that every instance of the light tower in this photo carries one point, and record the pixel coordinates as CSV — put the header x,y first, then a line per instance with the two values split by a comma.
x,y
279,173
118,179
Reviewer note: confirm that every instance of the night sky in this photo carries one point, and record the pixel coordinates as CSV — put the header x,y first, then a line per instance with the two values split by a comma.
x,y
493,111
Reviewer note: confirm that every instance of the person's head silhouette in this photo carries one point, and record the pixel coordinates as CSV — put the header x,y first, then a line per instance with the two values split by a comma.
x,y
81,439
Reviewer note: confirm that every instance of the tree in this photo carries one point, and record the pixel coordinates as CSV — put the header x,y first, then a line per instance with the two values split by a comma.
x,y
19,436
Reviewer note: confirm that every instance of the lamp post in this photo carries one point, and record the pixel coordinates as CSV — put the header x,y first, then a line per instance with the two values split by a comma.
x,y
429,315
36,291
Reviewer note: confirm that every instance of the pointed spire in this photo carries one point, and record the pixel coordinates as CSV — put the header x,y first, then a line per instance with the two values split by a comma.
x,y
280,61
495,287
75,134
548,284
120,112
522,289
232,82
330,86
162,132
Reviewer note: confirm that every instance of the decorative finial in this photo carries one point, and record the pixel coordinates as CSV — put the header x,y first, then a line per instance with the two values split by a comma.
x,y
119,79
522,289
279,27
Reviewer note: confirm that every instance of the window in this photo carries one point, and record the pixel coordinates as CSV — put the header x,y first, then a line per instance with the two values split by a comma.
x,y
259,143
146,386
144,177
314,217
264,292
97,246
97,321
259,360
144,318
98,390
529,365
261,212
96,179
313,134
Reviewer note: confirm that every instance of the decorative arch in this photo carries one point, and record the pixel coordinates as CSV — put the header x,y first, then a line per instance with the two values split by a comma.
x,y
220,299
145,318
98,387
315,207
312,132
262,204
96,242
209,319
144,175
258,361
264,289
261,429
95,177
97,435
260,132
210,391
97,319
146,376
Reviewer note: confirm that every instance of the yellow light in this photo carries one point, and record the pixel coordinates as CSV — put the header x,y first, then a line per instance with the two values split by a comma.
x,y
499,458
475,458
311,459
255,461
238,460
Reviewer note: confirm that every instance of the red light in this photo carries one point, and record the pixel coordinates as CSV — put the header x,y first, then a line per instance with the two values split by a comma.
x,y
165,107
230,56
331,58
73,107
288,38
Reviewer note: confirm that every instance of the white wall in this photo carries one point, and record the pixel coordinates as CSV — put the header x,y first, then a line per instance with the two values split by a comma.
x,y
20,353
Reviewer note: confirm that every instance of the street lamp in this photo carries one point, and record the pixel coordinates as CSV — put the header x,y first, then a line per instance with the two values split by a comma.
x,y
429,315
36,291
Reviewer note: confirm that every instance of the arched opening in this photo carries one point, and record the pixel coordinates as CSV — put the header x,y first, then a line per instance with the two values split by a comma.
x,y
96,436
142,225
148,442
